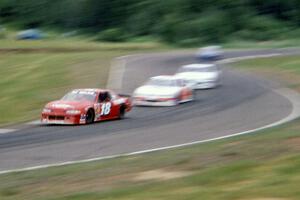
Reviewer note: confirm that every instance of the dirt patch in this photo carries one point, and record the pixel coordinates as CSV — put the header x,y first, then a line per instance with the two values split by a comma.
x,y
270,198
293,143
68,185
239,185
233,144
160,174
186,190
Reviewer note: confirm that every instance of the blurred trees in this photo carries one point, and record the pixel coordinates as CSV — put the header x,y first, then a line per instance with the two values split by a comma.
x,y
178,21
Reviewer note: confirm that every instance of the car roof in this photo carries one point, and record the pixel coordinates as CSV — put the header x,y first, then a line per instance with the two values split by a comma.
x,y
211,47
198,66
165,77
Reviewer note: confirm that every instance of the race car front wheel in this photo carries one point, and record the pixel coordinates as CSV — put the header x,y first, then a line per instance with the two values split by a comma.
x,y
90,116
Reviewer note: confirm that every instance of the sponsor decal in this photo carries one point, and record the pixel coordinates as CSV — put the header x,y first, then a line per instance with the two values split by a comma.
x,y
102,109
82,117
97,110
105,108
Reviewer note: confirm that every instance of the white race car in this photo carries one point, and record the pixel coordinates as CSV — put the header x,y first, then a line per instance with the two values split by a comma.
x,y
162,91
210,53
200,76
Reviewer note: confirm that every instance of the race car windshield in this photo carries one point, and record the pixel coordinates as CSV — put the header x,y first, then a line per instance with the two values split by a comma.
x,y
162,82
80,96
211,49
194,69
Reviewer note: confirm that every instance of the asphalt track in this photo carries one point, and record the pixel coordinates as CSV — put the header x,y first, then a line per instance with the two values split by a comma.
x,y
244,102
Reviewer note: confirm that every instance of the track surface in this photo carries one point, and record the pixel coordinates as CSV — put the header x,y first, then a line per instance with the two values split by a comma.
x,y
243,102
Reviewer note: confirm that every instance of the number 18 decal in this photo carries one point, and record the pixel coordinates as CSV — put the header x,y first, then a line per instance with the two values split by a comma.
x,y
105,108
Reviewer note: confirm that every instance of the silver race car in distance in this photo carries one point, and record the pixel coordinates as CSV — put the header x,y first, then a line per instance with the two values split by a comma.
x,y
200,76
210,53
162,91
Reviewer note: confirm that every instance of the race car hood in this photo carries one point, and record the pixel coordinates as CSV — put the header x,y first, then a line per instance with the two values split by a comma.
x,y
157,91
199,76
68,105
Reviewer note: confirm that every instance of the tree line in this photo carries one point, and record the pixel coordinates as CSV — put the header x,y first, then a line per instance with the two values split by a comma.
x,y
176,21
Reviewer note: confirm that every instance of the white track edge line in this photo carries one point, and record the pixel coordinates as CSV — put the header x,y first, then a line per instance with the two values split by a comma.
x,y
5,130
293,115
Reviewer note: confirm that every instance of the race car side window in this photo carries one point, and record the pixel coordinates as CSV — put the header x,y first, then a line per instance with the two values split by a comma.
x,y
109,97
104,96
113,95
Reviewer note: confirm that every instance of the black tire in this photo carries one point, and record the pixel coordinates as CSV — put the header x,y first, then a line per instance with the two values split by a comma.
x,y
90,116
122,112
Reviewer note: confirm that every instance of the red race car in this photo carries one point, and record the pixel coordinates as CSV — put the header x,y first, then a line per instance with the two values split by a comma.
x,y
85,106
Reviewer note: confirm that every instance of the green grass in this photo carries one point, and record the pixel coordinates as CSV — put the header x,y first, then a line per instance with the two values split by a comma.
x,y
263,44
283,69
35,72
77,44
29,80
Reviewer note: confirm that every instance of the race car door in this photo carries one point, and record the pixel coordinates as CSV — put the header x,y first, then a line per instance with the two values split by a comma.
x,y
105,107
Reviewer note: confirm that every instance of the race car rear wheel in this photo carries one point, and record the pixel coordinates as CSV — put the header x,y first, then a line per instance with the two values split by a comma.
x,y
122,112
177,100
90,116
194,95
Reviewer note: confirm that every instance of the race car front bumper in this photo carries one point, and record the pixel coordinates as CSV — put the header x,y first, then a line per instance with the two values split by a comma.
x,y
154,102
212,57
62,119
196,85
205,85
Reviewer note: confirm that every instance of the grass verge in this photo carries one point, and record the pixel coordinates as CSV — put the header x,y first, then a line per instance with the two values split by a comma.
x,y
285,69
237,44
261,166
